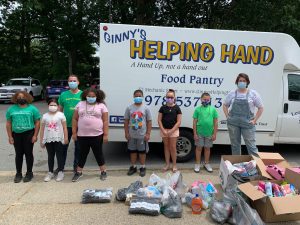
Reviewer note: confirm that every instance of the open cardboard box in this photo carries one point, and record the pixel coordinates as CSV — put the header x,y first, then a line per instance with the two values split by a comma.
x,y
226,180
274,209
268,158
262,161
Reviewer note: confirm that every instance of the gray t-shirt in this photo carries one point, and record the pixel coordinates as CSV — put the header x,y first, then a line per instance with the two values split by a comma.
x,y
138,117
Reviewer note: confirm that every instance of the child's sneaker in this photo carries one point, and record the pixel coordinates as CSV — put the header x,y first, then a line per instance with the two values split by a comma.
x,y
197,168
28,177
76,176
142,171
60,176
208,167
18,178
131,170
103,175
48,177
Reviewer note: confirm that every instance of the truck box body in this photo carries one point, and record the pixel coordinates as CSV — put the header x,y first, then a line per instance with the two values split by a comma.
x,y
192,61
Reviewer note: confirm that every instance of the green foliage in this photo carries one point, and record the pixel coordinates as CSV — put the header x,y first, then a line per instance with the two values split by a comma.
x,y
50,39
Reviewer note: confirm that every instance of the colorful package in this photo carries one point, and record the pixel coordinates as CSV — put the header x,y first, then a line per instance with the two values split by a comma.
x,y
276,172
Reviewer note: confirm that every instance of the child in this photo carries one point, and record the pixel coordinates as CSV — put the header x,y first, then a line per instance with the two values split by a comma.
x,y
169,120
22,126
90,127
53,135
137,126
205,127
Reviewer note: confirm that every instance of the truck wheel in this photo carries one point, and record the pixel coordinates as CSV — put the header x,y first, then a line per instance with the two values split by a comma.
x,y
185,146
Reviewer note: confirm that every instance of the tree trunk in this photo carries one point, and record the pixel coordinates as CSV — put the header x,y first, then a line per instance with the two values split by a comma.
x,y
72,60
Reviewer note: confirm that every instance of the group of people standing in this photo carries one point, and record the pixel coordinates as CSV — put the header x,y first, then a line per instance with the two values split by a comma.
x,y
83,116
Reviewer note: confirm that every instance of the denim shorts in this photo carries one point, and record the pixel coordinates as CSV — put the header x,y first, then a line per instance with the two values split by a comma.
x,y
204,142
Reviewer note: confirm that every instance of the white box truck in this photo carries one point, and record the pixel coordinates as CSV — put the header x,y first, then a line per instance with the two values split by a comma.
x,y
193,61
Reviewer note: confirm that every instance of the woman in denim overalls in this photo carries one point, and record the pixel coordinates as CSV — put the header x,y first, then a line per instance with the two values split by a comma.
x,y
240,118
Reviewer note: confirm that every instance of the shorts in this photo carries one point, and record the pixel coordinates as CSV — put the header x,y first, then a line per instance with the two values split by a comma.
x,y
206,142
136,145
174,134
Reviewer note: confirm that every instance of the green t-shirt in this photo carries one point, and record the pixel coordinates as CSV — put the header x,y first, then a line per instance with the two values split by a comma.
x,y
205,120
68,101
22,119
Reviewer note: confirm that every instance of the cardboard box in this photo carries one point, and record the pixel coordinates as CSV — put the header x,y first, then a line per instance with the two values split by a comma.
x,y
268,158
226,180
262,161
274,209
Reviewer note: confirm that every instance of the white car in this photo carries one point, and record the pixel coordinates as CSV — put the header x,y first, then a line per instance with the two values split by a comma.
x,y
30,85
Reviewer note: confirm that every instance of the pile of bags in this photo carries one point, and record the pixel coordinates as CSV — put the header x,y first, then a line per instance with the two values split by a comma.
x,y
159,196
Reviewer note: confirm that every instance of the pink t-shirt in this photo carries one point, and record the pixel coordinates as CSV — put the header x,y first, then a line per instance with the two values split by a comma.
x,y
90,121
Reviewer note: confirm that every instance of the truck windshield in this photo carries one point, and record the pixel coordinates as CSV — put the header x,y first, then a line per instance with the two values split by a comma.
x,y
18,83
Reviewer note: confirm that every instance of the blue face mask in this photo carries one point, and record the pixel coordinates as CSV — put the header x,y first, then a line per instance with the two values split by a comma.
x,y
138,100
73,85
91,100
242,85
205,103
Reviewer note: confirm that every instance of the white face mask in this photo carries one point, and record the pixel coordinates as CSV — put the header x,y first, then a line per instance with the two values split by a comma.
x,y
53,108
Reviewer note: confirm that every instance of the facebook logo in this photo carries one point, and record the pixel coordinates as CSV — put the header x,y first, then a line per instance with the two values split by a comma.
x,y
116,119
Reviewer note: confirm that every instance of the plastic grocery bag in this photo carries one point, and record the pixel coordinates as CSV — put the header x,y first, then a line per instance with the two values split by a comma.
x,y
243,213
157,182
147,206
220,211
187,199
175,181
171,204
131,189
149,192
96,195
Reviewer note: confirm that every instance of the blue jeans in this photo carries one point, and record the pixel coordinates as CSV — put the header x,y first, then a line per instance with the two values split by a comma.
x,y
76,152
235,133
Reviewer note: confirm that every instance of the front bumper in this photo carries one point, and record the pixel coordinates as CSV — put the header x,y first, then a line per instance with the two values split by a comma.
x,y
6,96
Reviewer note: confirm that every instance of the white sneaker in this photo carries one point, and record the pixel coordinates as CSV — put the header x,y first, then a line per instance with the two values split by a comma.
x,y
48,177
60,176
197,168
208,167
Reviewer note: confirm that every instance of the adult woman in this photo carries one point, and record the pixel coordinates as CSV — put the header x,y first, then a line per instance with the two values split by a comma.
x,y
169,120
22,127
90,127
239,108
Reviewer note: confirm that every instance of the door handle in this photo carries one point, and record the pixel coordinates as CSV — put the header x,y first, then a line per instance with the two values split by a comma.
x,y
285,107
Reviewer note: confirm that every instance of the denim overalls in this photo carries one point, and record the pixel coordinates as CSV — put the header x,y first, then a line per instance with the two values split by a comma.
x,y
238,124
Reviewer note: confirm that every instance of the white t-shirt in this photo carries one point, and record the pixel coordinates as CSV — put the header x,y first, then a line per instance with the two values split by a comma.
x,y
53,127
254,99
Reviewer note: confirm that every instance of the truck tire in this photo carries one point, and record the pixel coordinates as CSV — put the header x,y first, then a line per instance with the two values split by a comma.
x,y
185,146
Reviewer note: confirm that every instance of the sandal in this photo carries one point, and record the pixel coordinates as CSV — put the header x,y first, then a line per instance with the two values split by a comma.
x,y
174,170
165,169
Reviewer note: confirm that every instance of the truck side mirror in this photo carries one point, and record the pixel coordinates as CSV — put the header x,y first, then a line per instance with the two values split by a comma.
x,y
33,85
2,85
